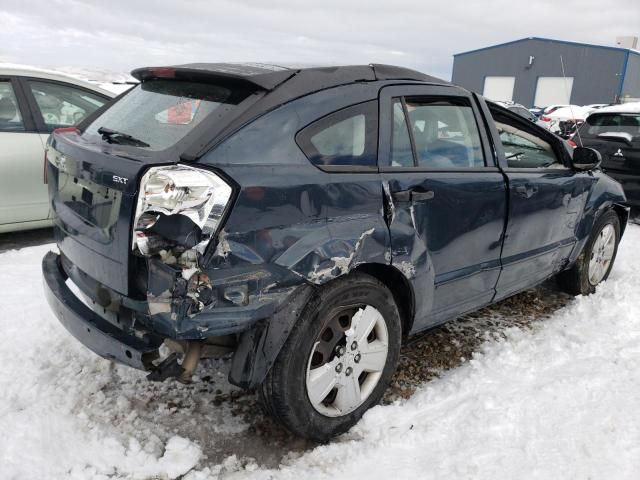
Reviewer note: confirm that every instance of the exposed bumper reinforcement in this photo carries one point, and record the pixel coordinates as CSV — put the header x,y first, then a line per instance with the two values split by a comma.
x,y
96,333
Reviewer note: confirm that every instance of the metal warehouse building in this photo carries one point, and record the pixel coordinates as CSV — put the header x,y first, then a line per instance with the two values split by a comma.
x,y
529,71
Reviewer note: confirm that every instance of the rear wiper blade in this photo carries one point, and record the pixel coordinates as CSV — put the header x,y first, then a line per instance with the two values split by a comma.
x,y
113,136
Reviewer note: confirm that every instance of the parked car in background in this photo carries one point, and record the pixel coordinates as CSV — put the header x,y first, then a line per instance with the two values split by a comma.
x,y
552,108
32,104
615,132
537,111
563,120
596,106
522,111
306,221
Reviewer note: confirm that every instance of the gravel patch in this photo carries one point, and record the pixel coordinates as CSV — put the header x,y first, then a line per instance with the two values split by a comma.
x,y
201,411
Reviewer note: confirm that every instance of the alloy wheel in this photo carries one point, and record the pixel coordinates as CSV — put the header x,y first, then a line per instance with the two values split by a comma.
x,y
602,254
347,360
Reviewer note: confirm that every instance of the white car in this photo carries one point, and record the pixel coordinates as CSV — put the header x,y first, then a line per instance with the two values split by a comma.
x,y
523,112
572,113
32,104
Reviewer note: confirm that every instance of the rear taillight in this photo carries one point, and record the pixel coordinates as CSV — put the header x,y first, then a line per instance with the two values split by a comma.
x,y
572,143
544,118
178,206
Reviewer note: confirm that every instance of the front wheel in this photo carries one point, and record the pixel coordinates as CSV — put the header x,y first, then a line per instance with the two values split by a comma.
x,y
596,260
338,360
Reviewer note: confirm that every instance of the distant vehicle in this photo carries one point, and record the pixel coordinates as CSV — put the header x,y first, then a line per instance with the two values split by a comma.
x,y
553,108
306,221
537,111
596,106
546,111
32,104
563,120
615,132
523,112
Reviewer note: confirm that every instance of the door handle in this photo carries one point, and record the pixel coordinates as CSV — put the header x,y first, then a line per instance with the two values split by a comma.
x,y
421,196
401,195
412,195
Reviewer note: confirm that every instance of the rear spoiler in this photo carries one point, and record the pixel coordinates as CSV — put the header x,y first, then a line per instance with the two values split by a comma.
x,y
260,77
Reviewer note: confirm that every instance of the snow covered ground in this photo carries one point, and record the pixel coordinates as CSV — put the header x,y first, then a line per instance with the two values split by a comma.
x,y
556,401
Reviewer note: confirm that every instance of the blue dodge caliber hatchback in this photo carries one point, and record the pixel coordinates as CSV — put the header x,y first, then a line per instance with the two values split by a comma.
x,y
306,221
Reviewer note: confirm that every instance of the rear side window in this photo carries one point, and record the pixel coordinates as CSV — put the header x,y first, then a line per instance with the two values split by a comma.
x,y
10,119
157,114
346,137
612,122
63,105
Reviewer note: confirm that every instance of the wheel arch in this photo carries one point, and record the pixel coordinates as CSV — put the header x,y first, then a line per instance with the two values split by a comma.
x,y
623,215
400,288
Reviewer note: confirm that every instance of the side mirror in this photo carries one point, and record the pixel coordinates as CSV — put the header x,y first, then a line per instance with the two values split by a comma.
x,y
585,159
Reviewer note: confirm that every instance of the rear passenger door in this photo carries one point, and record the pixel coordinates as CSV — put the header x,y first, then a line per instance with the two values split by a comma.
x,y
447,199
23,195
546,198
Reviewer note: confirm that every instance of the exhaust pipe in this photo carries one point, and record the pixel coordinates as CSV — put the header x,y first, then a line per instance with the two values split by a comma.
x,y
190,362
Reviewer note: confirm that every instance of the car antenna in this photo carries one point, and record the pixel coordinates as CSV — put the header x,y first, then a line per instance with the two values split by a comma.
x,y
566,91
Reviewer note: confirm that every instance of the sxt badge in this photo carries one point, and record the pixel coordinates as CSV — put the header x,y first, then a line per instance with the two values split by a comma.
x,y
121,180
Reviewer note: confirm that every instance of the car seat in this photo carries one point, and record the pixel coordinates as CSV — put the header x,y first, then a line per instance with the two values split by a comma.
x,y
431,150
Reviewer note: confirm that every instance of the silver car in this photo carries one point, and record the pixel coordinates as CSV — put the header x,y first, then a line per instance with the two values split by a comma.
x,y
32,104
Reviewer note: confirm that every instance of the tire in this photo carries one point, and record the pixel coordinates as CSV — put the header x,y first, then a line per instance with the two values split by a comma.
x,y
319,353
579,279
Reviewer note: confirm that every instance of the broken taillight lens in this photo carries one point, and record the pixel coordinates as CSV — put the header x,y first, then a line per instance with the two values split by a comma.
x,y
167,193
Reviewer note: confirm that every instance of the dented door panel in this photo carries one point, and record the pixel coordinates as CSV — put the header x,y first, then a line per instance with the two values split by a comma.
x,y
446,226
452,241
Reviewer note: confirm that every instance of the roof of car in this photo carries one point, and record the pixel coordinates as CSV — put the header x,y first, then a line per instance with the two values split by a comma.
x,y
273,86
17,70
269,76
632,107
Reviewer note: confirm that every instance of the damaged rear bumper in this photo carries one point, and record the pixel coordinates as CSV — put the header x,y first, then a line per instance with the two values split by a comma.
x,y
99,335
261,328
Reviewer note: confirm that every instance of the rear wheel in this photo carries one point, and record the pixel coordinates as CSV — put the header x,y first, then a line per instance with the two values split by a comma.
x,y
596,260
338,360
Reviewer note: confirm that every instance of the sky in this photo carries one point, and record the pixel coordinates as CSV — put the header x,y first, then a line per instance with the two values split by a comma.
x,y
119,35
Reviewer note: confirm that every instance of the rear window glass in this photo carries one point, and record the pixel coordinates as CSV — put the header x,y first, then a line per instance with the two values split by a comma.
x,y
611,122
157,114
346,137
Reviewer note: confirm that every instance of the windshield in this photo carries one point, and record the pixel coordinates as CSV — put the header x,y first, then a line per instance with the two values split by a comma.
x,y
157,114
598,123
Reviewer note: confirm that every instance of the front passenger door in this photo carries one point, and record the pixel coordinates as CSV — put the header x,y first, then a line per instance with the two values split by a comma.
x,y
546,198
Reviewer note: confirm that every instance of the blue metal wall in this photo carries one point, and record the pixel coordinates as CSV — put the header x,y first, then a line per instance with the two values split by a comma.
x,y
599,72
631,84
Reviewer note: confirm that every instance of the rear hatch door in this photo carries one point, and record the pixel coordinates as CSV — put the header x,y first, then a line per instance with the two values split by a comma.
x,y
92,196
94,172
